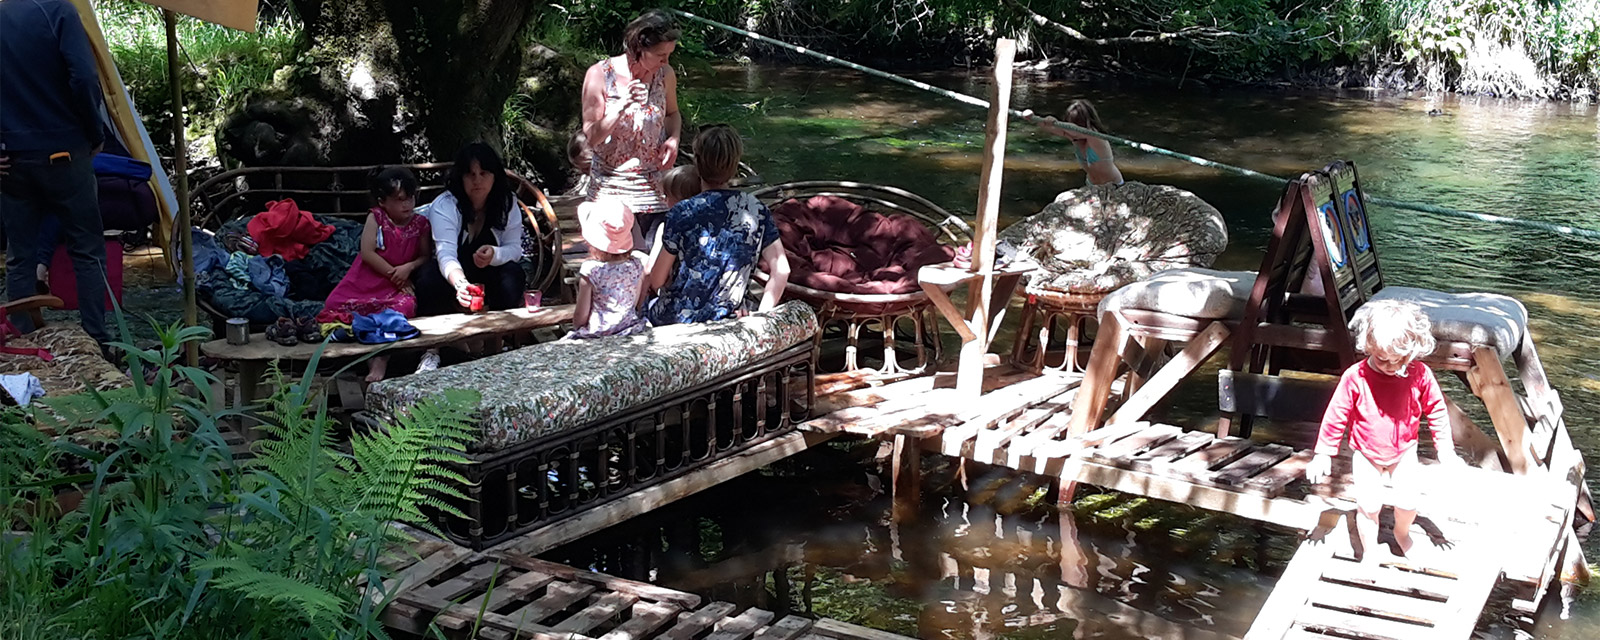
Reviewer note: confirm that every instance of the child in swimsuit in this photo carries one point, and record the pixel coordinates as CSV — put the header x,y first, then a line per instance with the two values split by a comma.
x,y
1381,401
1094,154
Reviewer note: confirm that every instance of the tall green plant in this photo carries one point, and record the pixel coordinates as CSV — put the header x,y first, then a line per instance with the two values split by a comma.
x,y
173,540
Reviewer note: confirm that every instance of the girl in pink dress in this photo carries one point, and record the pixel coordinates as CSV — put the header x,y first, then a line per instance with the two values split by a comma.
x,y
394,243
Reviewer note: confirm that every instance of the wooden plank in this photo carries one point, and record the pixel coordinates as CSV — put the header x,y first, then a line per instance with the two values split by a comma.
x,y
442,595
1488,381
1272,482
513,589
1115,453
421,572
1375,577
1199,465
1175,448
1247,467
743,626
558,597
1378,604
1357,626
691,623
1194,354
969,378
1466,605
1289,595
647,617
1001,405
436,331
652,498
597,613
1275,397
1052,453
1281,511
789,628
641,590
985,449
830,628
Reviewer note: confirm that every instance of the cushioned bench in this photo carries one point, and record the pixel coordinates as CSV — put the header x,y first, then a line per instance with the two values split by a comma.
x,y
571,424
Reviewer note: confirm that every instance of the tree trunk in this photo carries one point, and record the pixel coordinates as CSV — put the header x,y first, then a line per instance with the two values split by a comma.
x,y
388,80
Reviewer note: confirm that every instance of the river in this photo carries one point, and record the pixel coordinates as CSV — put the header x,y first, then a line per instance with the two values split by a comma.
x,y
990,561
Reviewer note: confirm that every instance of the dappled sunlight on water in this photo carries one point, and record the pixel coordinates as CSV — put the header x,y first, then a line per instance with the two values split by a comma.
x,y
1534,160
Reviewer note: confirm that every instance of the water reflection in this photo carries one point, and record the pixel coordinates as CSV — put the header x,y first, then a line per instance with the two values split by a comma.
x,y
988,560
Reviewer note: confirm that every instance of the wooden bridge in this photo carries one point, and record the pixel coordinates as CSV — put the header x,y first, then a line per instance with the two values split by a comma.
x,y
1478,527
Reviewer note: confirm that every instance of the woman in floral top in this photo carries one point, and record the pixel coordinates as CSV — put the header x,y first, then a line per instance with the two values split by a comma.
x,y
713,241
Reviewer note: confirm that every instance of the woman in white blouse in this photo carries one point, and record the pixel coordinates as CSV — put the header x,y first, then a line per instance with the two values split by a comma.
x,y
477,238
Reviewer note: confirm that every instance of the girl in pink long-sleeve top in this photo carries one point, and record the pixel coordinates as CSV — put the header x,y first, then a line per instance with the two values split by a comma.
x,y
1381,402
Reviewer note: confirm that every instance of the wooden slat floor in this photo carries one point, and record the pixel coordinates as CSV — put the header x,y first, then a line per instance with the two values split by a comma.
x,y
457,593
1021,422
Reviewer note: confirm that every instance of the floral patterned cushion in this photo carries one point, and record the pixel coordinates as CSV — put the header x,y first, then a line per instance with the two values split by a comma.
x,y
1098,238
548,388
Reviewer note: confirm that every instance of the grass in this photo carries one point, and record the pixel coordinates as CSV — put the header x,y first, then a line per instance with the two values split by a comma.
x,y
220,65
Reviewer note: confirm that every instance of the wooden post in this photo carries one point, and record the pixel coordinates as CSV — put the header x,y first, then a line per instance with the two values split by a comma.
x,y
969,377
180,181
906,478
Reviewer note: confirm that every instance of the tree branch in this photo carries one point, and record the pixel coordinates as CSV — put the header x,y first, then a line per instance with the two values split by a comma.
x,y
1185,33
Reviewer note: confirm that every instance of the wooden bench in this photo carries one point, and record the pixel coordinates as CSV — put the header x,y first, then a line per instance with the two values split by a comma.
x,y
514,325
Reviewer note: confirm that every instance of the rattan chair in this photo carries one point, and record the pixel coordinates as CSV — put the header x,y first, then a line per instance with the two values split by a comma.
x,y
888,312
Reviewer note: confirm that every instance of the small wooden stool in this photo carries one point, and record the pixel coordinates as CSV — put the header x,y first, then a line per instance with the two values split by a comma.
x,y
1047,308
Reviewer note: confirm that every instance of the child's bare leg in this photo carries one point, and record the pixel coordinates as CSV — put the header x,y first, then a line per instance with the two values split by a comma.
x,y
376,368
1367,530
1402,528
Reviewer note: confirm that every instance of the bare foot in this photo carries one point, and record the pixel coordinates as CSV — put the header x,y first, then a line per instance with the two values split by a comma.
x,y
376,367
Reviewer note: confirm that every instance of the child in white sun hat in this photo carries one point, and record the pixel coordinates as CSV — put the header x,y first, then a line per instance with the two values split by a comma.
x,y
611,281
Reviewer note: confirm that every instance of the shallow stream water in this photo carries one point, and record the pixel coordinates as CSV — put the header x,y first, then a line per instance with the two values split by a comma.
x,y
988,559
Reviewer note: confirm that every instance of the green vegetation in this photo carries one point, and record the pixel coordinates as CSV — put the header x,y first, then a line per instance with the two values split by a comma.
x,y
128,518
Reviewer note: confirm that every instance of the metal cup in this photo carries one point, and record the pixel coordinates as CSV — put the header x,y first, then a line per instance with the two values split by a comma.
x,y
238,331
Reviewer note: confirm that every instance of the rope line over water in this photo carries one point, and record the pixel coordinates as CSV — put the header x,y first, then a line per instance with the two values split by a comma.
x,y
1147,148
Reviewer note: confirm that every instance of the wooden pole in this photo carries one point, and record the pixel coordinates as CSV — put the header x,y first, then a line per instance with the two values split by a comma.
x,y
969,377
180,175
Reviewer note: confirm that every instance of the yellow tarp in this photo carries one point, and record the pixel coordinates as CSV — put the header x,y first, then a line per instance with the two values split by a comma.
x,y
234,14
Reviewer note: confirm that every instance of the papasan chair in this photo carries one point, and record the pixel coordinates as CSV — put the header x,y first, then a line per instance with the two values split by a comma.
x,y
1092,241
854,251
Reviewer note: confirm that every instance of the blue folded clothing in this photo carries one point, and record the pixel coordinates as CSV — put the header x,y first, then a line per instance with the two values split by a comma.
x,y
381,327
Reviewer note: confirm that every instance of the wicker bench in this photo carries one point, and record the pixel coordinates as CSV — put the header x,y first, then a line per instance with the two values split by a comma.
x,y
573,424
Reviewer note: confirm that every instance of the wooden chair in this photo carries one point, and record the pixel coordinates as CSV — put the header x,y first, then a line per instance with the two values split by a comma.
x,y
34,306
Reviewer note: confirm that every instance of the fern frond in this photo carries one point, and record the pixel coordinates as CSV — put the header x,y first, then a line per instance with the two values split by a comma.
x,y
313,604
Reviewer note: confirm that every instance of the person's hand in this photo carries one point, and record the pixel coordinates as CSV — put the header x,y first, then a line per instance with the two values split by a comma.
x,y
483,256
5,165
638,92
1321,466
669,153
463,295
401,275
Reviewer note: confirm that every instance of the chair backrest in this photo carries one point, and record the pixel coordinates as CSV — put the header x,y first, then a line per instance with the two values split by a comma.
x,y
950,229
1352,205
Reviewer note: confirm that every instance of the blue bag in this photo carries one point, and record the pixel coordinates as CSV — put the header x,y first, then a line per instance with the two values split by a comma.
x,y
381,327
106,164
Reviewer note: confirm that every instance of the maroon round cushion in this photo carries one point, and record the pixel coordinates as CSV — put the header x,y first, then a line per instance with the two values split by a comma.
x,y
838,246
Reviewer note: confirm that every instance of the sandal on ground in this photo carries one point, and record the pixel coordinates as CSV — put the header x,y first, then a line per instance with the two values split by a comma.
x,y
308,330
284,332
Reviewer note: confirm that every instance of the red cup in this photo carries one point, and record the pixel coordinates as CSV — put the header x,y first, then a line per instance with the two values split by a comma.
x,y
532,299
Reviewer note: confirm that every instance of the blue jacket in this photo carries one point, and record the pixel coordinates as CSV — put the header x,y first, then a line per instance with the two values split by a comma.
x,y
50,96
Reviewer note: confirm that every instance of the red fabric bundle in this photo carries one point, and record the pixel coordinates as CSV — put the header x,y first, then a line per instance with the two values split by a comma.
x,y
836,245
283,229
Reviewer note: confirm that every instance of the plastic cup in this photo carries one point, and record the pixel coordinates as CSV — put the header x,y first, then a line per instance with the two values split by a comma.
x,y
532,299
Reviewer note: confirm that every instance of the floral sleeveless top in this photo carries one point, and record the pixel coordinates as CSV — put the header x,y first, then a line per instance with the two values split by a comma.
x,y
625,165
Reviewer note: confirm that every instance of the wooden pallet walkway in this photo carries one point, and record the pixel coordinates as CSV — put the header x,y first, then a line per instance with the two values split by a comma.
x,y
1520,523
445,590
1327,593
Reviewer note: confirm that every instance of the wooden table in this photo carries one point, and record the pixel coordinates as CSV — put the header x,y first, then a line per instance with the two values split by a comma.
x,y
254,358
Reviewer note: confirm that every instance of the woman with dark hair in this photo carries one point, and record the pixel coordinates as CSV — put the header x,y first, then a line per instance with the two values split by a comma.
x,y
631,121
477,238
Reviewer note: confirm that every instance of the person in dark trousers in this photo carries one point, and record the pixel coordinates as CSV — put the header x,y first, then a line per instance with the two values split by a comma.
x,y
50,130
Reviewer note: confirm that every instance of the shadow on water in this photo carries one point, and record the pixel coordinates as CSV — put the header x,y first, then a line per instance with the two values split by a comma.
x,y
1539,161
